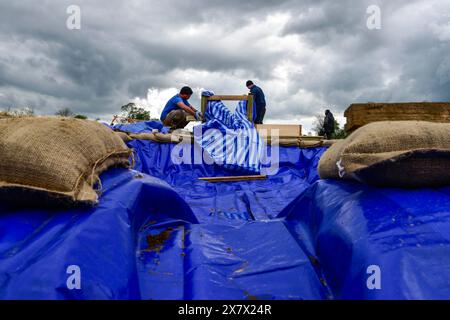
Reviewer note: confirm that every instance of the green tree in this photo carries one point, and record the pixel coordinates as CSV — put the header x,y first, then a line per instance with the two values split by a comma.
x,y
64,112
131,111
318,127
81,116
339,133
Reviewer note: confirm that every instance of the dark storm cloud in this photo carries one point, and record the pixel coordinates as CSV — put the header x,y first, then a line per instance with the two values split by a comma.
x,y
307,55
405,50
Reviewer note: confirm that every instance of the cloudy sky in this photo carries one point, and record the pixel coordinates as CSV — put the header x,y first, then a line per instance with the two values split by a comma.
x,y
306,55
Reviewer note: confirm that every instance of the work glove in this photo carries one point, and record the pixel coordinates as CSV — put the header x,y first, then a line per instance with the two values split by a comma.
x,y
198,116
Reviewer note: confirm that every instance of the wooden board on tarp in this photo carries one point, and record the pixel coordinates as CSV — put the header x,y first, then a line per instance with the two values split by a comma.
x,y
233,178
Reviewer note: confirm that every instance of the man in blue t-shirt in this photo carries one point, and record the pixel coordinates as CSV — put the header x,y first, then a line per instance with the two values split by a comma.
x,y
177,108
260,101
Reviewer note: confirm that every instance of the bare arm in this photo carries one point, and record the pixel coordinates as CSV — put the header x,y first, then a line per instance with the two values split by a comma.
x,y
190,110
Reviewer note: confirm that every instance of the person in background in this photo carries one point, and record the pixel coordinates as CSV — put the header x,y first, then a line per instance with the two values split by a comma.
x,y
260,101
328,124
177,108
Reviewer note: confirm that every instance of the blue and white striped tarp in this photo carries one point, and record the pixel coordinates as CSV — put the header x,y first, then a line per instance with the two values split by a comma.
x,y
230,139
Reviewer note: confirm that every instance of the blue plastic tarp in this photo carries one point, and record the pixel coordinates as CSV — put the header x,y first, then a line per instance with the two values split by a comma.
x,y
219,258
38,246
256,260
160,233
230,138
404,234
230,202
141,127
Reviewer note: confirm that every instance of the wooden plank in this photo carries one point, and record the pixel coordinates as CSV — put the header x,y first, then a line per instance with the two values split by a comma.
x,y
114,120
233,178
285,130
228,97
203,106
250,108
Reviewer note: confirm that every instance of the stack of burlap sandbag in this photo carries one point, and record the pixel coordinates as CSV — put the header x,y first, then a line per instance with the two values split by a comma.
x,y
361,114
302,142
184,136
156,137
405,154
56,161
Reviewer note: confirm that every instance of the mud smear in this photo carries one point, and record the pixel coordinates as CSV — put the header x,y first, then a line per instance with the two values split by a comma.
x,y
156,242
248,296
314,261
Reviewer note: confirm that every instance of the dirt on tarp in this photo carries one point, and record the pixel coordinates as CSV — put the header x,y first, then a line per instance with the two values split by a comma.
x,y
156,242
248,296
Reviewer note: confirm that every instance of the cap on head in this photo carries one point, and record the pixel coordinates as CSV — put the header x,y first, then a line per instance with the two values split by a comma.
x,y
327,111
249,83
186,90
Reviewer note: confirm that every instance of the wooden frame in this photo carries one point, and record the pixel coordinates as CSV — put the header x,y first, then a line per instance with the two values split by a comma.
x,y
249,98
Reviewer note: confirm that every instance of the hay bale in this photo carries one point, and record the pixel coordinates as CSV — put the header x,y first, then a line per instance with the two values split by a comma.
x,y
392,153
56,160
359,115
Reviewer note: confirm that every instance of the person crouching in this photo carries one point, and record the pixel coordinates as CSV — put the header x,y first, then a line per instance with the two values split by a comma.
x,y
177,108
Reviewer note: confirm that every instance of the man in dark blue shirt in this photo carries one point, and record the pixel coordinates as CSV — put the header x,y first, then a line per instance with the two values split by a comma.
x,y
260,101
328,124
177,108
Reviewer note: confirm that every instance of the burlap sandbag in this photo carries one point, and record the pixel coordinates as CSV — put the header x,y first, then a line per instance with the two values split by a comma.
x,y
124,136
157,137
56,160
284,142
392,153
329,143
